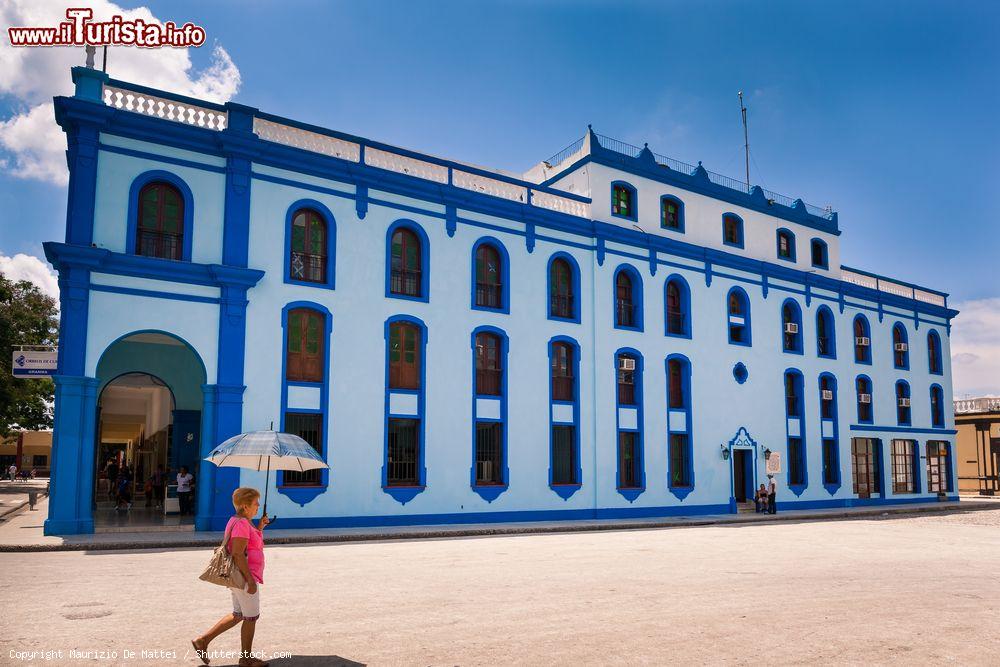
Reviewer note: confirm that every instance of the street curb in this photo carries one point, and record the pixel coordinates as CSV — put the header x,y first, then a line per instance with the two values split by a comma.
x,y
13,509
212,539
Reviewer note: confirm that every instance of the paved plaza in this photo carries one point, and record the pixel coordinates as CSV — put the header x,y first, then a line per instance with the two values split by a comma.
x,y
918,589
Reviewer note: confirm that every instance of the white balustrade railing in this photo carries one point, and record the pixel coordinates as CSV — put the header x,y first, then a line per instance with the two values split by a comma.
x,y
406,165
890,287
858,279
977,405
553,202
167,109
489,186
306,140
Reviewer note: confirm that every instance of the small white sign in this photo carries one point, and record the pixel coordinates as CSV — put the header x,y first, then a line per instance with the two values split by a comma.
x,y
773,464
34,363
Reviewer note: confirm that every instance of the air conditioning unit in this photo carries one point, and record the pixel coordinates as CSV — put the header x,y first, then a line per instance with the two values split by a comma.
x,y
827,394
904,402
900,347
864,398
626,364
791,328
863,341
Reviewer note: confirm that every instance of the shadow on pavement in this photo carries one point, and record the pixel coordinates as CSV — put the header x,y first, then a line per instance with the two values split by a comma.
x,y
315,661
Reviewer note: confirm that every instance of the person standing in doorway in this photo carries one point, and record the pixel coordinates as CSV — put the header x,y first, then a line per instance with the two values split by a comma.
x,y
185,483
772,492
159,479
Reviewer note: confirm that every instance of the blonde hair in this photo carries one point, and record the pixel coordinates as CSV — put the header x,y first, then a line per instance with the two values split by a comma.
x,y
243,496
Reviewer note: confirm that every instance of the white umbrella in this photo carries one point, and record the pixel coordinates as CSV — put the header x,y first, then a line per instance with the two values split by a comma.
x,y
266,450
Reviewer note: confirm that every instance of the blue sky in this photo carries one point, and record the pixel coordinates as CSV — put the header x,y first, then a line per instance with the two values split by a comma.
x,y
887,111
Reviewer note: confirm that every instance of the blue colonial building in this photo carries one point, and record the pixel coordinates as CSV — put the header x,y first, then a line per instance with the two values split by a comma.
x,y
611,334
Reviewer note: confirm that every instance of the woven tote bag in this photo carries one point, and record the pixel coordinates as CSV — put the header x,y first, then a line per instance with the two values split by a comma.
x,y
221,568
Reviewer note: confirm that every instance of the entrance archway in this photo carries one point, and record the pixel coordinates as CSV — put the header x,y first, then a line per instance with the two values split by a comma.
x,y
148,415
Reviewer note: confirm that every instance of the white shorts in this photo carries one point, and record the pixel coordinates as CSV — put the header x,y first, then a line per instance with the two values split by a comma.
x,y
246,605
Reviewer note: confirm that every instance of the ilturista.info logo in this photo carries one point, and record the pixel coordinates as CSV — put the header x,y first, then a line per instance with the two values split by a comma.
x,y
81,30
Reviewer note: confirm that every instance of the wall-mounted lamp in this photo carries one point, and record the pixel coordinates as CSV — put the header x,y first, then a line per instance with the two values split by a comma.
x,y
725,452
767,453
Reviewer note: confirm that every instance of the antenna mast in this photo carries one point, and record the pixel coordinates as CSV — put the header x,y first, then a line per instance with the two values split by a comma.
x,y
746,139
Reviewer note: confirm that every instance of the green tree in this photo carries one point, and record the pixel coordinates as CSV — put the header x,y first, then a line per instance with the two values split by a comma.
x,y
27,317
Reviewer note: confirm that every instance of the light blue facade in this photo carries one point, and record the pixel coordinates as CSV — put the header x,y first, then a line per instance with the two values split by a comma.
x,y
228,305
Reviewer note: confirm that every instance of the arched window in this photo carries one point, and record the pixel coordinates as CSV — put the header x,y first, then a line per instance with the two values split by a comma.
x,y
738,317
732,230
903,403
628,299
793,394
786,245
676,395
563,382
937,406
489,277
404,355
489,373
826,334
308,247
671,213
862,340
934,353
160,227
304,353
406,271
562,300
791,327
900,348
827,397
623,200
864,390
626,365
820,257
678,307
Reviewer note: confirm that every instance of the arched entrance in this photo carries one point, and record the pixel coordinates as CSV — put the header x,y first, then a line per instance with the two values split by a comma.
x,y
148,415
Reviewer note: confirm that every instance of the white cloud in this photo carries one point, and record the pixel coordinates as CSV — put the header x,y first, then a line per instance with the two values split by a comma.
x,y
33,144
975,348
32,269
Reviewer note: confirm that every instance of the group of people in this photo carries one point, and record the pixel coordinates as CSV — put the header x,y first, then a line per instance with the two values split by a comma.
x,y
765,498
13,474
120,483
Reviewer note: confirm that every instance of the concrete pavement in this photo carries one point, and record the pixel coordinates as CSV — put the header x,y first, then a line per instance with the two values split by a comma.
x,y
23,530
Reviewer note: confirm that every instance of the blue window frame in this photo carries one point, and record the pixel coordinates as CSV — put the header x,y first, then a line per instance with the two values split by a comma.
x,y
903,412
785,242
407,262
680,465
865,396
826,333
631,476
820,254
791,327
829,431
937,406
738,317
732,230
628,298
404,474
155,240
624,202
798,473
565,468
489,476
677,307
562,301
862,340
671,214
934,361
310,245
900,348
490,279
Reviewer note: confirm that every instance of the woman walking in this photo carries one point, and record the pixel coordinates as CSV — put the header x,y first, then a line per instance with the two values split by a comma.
x,y
246,544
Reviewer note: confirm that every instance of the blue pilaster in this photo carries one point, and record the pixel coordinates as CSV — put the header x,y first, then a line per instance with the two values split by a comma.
x,y
238,143
73,446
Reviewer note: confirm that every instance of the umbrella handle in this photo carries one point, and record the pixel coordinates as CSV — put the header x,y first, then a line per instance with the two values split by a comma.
x,y
267,484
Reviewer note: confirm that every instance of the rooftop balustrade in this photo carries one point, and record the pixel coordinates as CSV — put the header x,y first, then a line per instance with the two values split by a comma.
x,y
968,406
